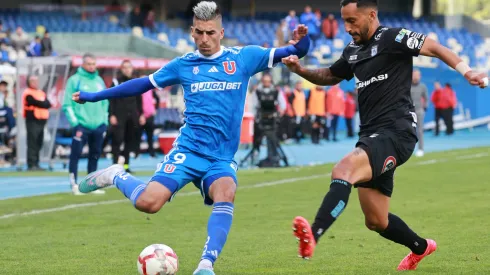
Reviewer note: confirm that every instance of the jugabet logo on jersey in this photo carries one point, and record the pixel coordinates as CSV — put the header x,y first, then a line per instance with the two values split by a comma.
x,y
214,86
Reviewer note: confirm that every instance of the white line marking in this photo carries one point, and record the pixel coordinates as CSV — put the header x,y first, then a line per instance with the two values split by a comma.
x,y
258,185
80,205
462,157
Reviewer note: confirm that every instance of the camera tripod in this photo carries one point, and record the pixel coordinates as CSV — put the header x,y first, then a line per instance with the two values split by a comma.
x,y
275,153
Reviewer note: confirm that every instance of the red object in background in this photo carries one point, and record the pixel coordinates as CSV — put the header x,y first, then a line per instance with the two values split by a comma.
x,y
247,133
166,140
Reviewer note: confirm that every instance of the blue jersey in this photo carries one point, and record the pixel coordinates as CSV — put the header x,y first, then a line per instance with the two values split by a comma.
x,y
215,89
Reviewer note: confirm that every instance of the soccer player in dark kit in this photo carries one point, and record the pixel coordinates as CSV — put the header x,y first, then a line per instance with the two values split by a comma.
x,y
381,58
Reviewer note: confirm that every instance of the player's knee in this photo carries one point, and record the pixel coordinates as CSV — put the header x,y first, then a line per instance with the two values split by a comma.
x,y
149,204
343,170
227,195
376,224
223,191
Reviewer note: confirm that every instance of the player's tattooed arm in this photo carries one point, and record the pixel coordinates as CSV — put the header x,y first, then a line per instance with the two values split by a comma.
x,y
322,76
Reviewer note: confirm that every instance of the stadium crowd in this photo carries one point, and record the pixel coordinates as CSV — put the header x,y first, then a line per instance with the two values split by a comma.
x,y
19,44
305,110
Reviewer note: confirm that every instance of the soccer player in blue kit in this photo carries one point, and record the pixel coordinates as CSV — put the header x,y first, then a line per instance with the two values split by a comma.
x,y
214,80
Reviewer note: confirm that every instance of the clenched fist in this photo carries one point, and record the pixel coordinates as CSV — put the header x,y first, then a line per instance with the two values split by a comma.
x,y
292,62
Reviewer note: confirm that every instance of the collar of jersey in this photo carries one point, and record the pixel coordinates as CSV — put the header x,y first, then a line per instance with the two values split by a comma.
x,y
216,55
372,37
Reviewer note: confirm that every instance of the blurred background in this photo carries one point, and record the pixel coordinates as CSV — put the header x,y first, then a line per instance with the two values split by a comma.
x,y
43,44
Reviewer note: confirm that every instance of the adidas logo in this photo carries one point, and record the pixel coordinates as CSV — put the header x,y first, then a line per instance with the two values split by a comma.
x,y
213,70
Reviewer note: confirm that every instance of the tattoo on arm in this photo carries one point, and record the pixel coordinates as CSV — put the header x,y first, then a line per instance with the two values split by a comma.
x,y
322,76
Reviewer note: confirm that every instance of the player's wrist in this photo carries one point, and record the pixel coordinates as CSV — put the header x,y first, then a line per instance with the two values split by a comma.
x,y
463,68
300,70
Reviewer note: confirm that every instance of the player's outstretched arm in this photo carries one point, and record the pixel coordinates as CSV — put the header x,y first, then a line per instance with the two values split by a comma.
x,y
433,49
299,45
129,88
321,76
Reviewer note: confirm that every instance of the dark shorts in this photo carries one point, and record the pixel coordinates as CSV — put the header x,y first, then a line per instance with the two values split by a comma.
x,y
386,149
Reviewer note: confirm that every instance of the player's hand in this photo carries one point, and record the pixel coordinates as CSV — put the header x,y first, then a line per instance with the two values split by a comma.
x,y
298,33
292,62
477,79
76,97
142,120
113,120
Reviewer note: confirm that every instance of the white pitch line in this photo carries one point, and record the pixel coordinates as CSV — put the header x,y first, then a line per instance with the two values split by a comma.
x,y
461,157
258,185
89,204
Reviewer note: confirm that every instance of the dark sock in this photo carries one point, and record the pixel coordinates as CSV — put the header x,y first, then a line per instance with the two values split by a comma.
x,y
399,232
333,204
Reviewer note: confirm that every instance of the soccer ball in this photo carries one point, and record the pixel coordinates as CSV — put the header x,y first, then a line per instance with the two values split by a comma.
x,y
158,259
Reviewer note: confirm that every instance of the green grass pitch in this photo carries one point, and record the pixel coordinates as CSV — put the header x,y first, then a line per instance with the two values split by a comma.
x,y
444,196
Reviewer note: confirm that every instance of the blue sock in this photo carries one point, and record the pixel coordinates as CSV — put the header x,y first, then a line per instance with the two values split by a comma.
x,y
130,186
219,225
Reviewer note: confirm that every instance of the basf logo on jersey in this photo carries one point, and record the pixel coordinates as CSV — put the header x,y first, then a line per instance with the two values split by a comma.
x,y
214,86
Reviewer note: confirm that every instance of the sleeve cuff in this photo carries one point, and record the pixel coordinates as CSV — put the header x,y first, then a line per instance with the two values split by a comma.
x,y
271,58
153,82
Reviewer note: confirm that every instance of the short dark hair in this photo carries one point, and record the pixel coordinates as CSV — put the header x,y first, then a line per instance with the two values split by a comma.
x,y
87,55
360,3
126,61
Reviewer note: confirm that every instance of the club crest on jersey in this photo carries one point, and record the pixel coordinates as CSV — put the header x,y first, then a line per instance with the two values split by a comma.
x,y
389,164
195,70
230,67
374,50
169,168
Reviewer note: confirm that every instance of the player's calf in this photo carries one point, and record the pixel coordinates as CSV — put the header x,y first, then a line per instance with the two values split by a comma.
x,y
351,169
222,192
147,198
152,198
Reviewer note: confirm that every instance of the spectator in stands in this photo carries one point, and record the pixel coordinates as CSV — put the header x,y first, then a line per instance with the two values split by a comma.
x,y
150,21
4,54
150,102
36,113
288,117
89,120
444,100
46,45
136,18
282,34
126,116
297,100
19,40
35,47
3,34
7,124
330,27
316,111
350,112
309,19
3,90
420,100
291,21
335,109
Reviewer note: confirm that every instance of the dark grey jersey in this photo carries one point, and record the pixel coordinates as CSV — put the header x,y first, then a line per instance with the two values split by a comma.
x,y
383,70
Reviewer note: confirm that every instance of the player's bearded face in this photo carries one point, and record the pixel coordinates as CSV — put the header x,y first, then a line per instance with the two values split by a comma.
x,y
357,22
207,36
